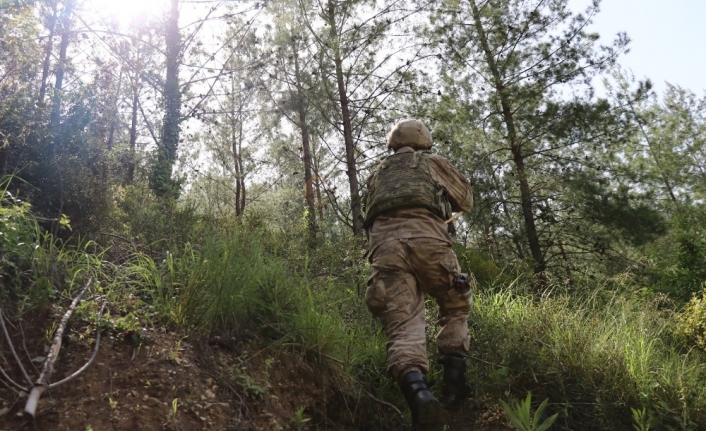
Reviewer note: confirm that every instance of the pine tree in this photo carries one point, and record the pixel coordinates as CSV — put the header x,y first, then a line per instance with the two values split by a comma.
x,y
522,71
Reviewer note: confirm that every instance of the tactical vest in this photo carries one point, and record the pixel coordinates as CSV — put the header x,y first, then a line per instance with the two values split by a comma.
x,y
404,181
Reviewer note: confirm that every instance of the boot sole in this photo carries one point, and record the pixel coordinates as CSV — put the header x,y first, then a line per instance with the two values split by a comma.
x,y
429,415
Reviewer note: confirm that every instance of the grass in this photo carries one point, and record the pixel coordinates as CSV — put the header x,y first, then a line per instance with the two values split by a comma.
x,y
594,359
594,356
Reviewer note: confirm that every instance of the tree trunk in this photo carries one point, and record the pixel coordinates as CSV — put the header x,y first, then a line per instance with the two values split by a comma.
x,y
237,149
508,217
161,181
308,177
114,120
515,146
352,170
238,162
317,182
130,177
241,177
47,53
306,148
61,66
236,156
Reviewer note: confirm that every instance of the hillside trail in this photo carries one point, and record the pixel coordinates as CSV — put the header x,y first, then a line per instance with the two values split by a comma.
x,y
167,383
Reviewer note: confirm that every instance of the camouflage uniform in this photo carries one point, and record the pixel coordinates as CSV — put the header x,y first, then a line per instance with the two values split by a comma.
x,y
410,252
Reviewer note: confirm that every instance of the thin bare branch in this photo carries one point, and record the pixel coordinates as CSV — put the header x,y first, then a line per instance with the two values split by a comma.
x,y
12,348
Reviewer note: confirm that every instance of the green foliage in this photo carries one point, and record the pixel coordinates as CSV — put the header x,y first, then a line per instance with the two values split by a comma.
x,y
298,421
679,260
642,419
161,223
520,415
34,264
253,387
691,321
592,356
629,214
18,229
485,270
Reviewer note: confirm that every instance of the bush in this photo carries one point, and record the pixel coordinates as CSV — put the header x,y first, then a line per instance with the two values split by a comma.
x,y
691,322
679,259
161,223
485,270
18,229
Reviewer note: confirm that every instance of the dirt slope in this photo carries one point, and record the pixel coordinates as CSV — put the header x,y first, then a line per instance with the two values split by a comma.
x,y
170,383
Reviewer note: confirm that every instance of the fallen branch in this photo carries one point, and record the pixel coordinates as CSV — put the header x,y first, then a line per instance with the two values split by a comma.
x,y
90,360
42,382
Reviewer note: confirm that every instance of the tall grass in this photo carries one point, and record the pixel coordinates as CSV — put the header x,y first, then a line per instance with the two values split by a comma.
x,y
594,359
595,356
238,282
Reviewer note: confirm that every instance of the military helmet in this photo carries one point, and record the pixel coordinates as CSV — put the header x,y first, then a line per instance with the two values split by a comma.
x,y
409,133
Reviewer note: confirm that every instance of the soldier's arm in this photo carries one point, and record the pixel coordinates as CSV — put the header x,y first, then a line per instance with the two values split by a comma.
x,y
456,186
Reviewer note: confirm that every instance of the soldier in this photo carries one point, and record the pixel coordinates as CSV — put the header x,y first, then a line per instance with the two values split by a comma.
x,y
408,205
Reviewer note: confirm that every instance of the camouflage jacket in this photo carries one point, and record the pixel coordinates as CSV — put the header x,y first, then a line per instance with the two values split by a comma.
x,y
420,222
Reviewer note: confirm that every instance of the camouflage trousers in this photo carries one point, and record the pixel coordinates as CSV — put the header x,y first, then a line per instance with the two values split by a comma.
x,y
403,271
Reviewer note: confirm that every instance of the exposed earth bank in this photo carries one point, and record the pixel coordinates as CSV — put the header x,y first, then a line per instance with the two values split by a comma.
x,y
168,382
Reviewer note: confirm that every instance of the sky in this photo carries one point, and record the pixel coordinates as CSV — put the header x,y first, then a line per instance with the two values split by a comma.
x,y
667,39
668,36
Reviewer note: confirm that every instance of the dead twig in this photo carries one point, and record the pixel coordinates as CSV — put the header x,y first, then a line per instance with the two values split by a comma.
x,y
12,382
12,349
42,383
384,403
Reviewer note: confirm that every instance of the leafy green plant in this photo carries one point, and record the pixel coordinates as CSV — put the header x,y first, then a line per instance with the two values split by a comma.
x,y
642,420
298,421
520,415
253,387
691,321
49,332
18,229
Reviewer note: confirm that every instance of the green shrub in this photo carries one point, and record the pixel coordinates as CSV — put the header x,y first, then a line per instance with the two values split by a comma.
x,y
18,229
679,259
161,223
34,264
485,270
691,322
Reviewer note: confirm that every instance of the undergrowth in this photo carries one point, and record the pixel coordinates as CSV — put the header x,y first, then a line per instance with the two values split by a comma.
x,y
593,358
597,354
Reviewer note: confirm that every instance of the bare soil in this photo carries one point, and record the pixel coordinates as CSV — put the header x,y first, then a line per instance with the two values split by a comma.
x,y
168,382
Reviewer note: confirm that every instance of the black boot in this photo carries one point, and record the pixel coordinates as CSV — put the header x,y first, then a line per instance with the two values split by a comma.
x,y
425,408
454,381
